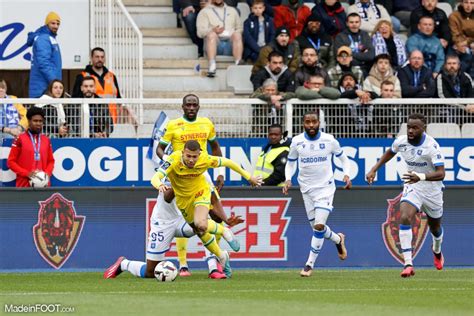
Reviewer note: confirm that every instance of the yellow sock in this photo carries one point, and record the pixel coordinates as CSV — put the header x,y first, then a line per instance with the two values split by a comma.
x,y
181,247
209,241
214,228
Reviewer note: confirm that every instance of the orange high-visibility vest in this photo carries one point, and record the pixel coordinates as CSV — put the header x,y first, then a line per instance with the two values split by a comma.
x,y
109,90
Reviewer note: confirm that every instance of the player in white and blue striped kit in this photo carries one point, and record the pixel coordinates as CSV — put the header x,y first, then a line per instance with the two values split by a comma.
x,y
423,187
312,152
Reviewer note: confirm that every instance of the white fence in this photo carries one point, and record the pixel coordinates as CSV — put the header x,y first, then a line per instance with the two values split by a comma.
x,y
251,117
113,29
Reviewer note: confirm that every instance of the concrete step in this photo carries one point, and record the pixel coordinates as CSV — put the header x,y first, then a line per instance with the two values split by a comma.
x,y
128,3
186,83
164,32
183,63
166,40
153,16
159,51
180,94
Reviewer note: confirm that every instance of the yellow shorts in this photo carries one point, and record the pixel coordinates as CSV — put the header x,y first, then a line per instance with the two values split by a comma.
x,y
187,204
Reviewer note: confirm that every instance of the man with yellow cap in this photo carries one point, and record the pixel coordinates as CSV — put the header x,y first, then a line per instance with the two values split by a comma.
x,y
46,64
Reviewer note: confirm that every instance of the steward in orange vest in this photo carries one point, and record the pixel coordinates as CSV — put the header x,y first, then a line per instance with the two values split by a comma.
x,y
106,86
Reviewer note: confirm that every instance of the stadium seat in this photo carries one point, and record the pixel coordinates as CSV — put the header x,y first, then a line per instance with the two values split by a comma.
x,y
123,131
403,129
467,130
238,78
446,7
145,130
244,11
403,38
444,130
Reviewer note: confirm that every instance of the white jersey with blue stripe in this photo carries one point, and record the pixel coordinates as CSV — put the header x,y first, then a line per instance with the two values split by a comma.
x,y
423,158
164,210
314,158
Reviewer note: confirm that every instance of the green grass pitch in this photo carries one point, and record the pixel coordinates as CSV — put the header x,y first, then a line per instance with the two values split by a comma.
x,y
250,292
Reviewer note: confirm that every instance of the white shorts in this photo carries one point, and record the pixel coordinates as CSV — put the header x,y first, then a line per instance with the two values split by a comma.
x,y
320,198
431,204
162,233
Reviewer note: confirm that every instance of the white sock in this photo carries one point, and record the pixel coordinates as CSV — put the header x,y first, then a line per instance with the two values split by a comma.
x,y
227,234
212,65
212,263
406,236
237,62
316,244
437,241
137,268
330,235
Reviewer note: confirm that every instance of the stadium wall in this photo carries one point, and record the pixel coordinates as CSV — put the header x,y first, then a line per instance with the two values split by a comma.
x,y
104,223
124,162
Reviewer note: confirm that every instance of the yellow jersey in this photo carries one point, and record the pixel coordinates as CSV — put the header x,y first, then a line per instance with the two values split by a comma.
x,y
186,181
180,130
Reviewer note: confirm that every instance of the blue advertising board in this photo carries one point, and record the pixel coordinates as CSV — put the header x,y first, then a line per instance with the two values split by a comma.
x,y
124,162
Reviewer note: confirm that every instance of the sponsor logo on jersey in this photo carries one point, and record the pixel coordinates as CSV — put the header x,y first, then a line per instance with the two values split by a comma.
x,y
391,228
262,235
58,230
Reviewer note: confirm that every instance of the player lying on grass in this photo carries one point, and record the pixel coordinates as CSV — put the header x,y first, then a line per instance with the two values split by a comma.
x,y
423,188
185,170
166,222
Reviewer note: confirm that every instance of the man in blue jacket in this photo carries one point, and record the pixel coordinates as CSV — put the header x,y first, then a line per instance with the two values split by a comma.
x,y
46,62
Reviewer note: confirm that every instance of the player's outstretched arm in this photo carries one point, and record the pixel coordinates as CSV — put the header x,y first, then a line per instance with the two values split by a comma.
x,y
157,183
254,181
370,176
216,151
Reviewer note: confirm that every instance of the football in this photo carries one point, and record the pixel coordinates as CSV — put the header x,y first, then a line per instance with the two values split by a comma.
x,y
39,180
166,271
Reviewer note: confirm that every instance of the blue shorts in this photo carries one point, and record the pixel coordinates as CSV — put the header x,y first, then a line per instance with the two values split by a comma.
x,y
224,47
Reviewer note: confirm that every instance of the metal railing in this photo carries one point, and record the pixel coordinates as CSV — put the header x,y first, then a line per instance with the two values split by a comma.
x,y
242,118
113,29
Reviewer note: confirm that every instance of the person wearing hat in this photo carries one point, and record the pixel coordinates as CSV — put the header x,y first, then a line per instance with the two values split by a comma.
x,y
282,45
360,43
46,64
31,151
314,36
344,64
362,112
292,15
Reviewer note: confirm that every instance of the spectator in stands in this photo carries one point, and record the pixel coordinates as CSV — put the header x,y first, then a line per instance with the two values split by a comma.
x,y
31,151
259,30
221,28
359,41
264,116
276,70
382,71
12,115
461,24
271,162
386,41
388,120
106,84
101,124
314,88
388,5
293,16
280,44
310,66
313,36
416,79
344,64
441,24
189,12
362,112
46,64
452,82
426,42
55,124
333,16
370,13
402,9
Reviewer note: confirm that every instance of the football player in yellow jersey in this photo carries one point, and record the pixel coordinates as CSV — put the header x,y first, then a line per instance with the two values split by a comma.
x,y
201,129
185,170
